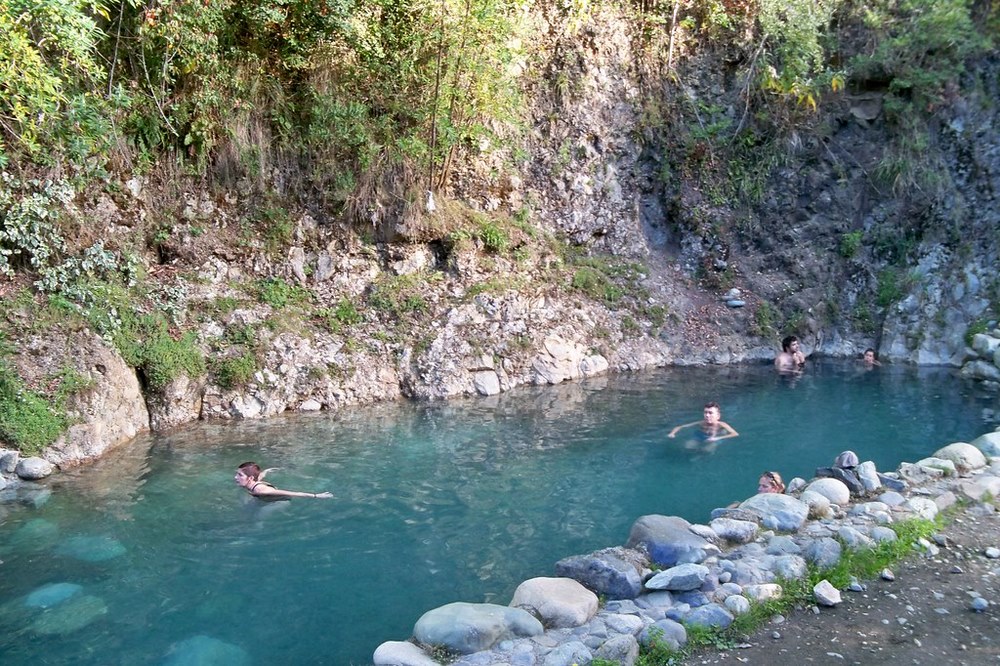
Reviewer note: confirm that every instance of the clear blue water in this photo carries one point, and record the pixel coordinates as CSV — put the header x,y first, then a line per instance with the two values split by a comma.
x,y
434,503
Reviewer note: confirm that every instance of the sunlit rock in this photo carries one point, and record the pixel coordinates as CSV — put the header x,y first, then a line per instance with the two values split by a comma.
x,y
834,490
989,443
668,540
466,628
401,653
557,602
826,594
680,578
777,511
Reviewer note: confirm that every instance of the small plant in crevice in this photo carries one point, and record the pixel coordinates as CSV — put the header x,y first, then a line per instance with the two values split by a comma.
x,y
345,313
850,244
279,294
235,371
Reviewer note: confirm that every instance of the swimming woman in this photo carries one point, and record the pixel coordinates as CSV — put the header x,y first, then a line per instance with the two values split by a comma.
x,y
250,477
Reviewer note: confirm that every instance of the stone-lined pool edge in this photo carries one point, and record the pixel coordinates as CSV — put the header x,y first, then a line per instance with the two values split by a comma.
x,y
706,574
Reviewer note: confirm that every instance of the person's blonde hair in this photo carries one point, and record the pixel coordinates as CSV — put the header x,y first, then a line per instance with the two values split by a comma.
x,y
775,480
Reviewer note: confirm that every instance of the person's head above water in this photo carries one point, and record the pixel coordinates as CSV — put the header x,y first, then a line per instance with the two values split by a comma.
x,y
787,342
251,470
770,482
712,412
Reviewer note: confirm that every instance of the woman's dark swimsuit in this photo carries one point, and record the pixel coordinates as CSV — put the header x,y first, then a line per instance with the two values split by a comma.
x,y
267,498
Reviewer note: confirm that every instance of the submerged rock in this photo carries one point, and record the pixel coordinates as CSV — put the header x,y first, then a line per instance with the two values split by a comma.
x,y
91,548
206,651
51,595
71,616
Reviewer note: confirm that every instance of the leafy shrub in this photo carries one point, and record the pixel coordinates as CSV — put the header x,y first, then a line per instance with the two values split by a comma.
x,y
398,296
596,284
892,286
850,243
26,420
976,327
149,347
494,238
344,314
29,214
235,371
765,319
279,294
924,45
49,63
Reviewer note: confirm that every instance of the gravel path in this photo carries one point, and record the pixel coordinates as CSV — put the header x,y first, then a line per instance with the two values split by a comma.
x,y
924,616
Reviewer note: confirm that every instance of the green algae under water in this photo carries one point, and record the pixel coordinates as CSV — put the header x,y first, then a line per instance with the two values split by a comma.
x,y
153,555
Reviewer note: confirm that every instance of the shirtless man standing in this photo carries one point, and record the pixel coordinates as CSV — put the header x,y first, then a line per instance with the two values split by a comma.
x,y
790,359
713,428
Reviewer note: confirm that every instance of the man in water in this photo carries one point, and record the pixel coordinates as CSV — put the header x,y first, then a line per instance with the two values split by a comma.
x,y
713,428
791,359
869,358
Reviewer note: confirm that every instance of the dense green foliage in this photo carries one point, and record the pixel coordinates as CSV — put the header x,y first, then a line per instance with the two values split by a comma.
x,y
360,106
27,421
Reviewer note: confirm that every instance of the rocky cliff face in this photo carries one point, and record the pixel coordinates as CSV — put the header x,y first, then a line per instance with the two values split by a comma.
x,y
824,250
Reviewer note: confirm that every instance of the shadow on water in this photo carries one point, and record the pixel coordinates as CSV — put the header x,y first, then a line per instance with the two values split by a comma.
x,y
433,503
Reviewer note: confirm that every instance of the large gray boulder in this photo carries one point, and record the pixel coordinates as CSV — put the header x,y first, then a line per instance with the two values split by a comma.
x,y
989,443
834,490
777,512
965,456
466,628
557,602
669,540
110,412
610,573
33,469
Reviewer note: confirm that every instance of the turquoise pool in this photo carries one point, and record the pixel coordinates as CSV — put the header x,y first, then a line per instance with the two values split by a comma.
x,y
154,555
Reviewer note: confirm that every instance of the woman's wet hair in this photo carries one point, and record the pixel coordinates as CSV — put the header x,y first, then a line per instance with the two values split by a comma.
x,y
250,469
